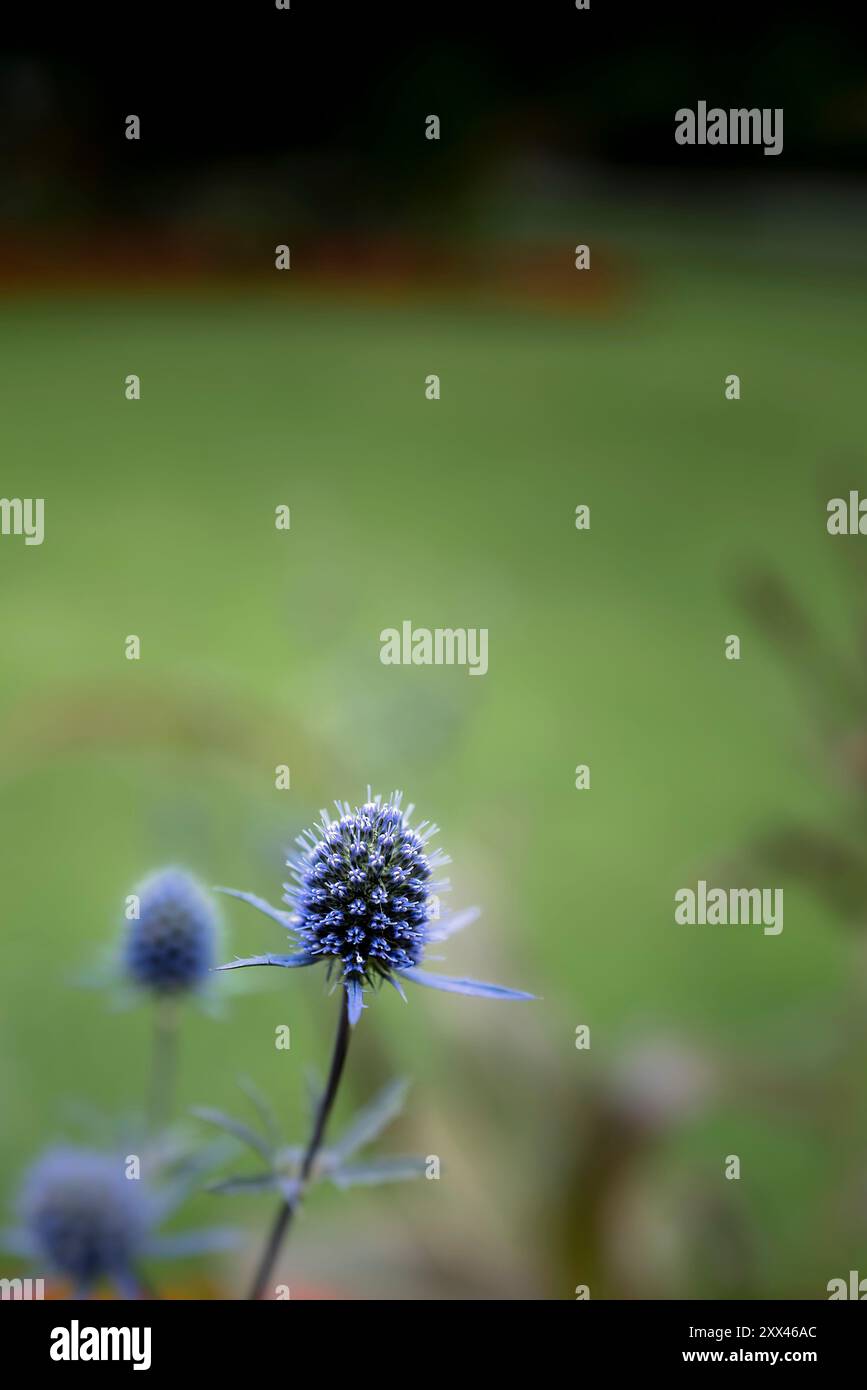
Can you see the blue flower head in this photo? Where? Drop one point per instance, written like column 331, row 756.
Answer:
column 170, row 947
column 361, row 898
column 82, row 1217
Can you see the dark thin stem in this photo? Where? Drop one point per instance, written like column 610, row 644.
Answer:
column 164, row 1064
column 323, row 1110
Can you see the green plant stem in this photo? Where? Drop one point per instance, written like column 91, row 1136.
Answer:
column 164, row 1064
column 288, row 1208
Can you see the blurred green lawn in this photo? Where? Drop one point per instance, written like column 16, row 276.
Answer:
column 261, row 647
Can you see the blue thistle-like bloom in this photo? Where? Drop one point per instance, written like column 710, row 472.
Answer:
column 81, row 1217
column 84, row 1218
column 361, row 900
column 170, row 948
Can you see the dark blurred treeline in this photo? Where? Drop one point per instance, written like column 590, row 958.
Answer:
column 329, row 101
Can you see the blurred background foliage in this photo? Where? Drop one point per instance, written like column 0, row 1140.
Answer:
column 259, row 647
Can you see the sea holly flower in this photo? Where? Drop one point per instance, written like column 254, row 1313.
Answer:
column 360, row 899
column 81, row 1217
column 168, row 953
column 165, row 954
column 334, row 1164
column 170, row 945
column 166, row 946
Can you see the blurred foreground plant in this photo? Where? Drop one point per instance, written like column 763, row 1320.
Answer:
column 90, row 1215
